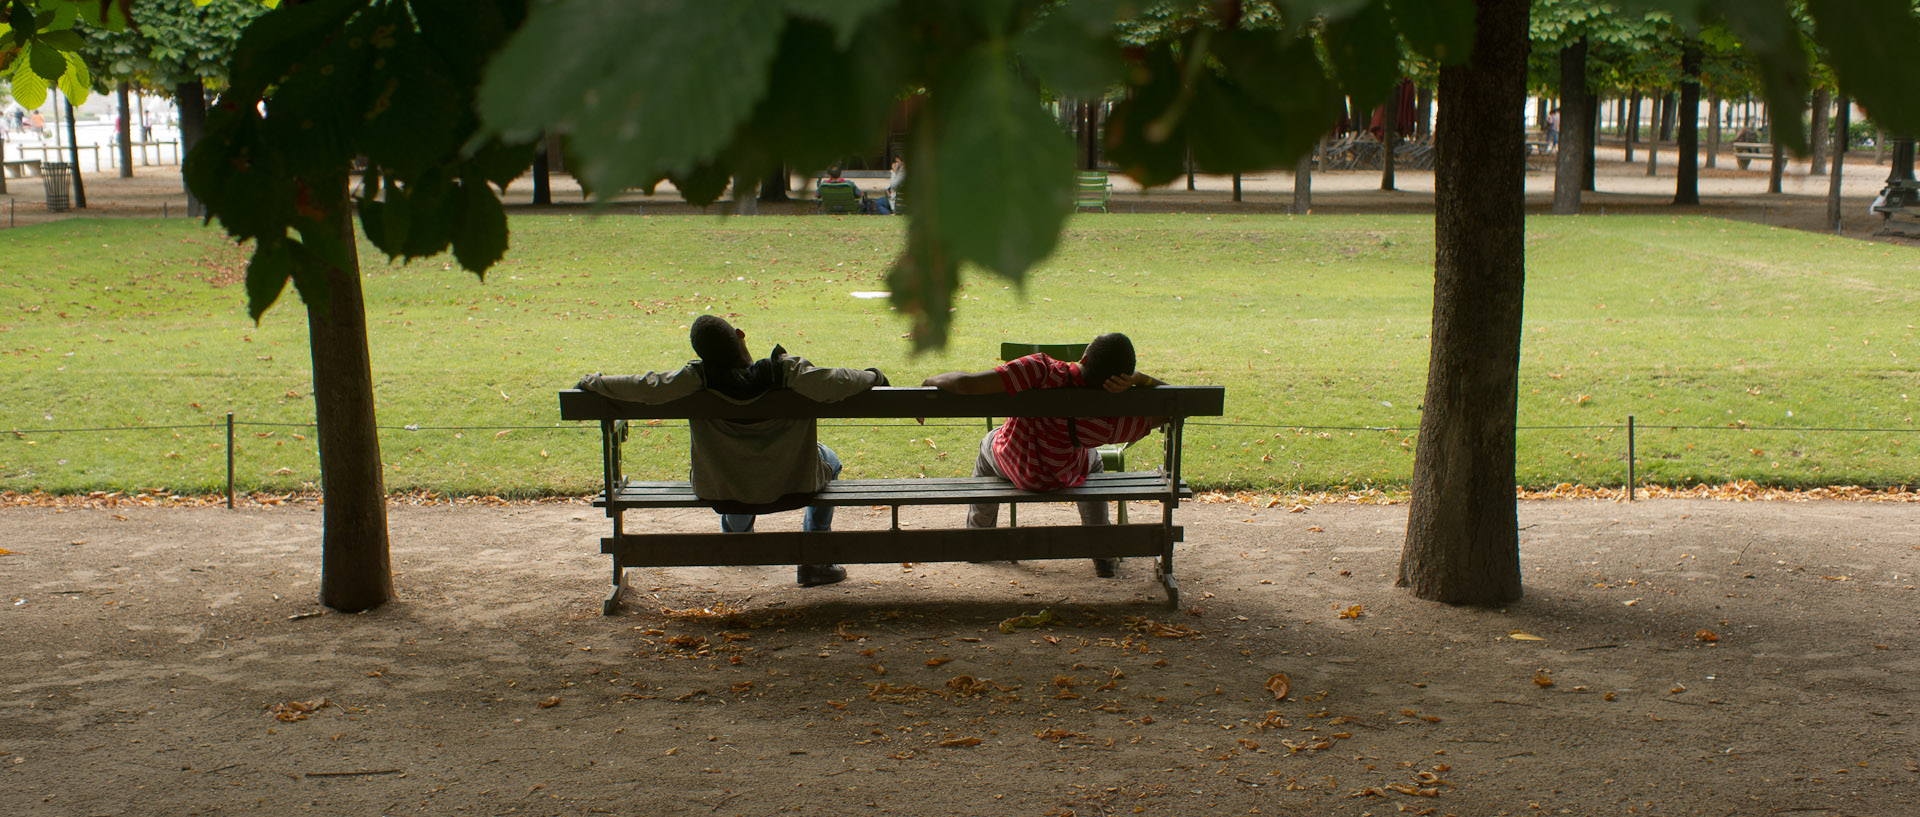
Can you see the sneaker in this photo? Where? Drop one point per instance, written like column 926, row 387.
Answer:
column 1106, row 568
column 817, row 575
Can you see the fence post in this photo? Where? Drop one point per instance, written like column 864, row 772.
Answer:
column 1630, row 474
column 229, row 460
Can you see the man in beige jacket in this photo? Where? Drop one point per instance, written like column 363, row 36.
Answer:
column 751, row 467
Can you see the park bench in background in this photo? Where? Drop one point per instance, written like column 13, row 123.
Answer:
column 17, row 169
column 1744, row 152
column 897, row 544
column 1094, row 191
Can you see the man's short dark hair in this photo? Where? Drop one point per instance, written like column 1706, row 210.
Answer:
column 1108, row 355
column 715, row 341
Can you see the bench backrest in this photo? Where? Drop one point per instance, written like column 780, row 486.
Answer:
column 840, row 197
column 1093, row 190
column 918, row 401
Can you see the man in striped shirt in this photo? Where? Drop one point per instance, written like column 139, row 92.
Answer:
column 1050, row 453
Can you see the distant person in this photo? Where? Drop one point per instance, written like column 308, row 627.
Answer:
column 1553, row 129
column 750, row 467
column 38, row 123
column 1051, row 453
column 867, row 206
column 895, row 178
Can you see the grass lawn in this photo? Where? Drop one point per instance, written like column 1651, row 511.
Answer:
column 1316, row 325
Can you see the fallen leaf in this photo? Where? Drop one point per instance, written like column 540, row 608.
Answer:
column 4, row 551
column 1041, row 618
column 1677, row 689
column 956, row 742
column 1606, row 696
column 1520, row 636
column 1707, row 636
column 1279, row 685
column 1316, row 529
column 1540, row 679
column 934, row 662
column 1354, row 611
column 550, row 702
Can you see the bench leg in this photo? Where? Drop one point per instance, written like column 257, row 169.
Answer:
column 1164, row 572
column 611, row 607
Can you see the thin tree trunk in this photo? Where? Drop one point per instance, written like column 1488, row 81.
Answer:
column 1593, row 142
column 1422, row 113
column 1388, row 137
column 192, row 99
column 542, row 175
column 1090, row 134
column 355, row 572
column 1633, row 123
column 73, row 147
column 1462, row 544
column 1666, row 116
column 1817, row 160
column 1189, row 169
column 1303, row 181
column 1713, row 129
column 1569, row 160
column 123, row 127
column 1840, row 123
column 1236, row 188
column 1687, row 179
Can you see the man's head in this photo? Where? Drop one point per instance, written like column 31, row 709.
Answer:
column 1108, row 355
column 718, row 343
column 833, row 172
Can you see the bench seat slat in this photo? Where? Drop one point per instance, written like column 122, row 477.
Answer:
column 884, row 546
column 1145, row 485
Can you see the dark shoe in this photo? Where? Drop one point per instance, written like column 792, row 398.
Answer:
column 817, row 575
column 1106, row 568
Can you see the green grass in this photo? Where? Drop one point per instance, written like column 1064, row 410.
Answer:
column 1316, row 325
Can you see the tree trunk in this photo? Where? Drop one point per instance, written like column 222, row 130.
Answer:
column 1090, row 134
column 1540, row 114
column 1389, row 137
column 1779, row 163
column 1713, row 128
column 1303, row 181
column 192, row 99
column 355, row 573
column 73, row 147
column 1631, row 133
column 1593, row 142
column 542, row 175
column 1189, row 169
column 1840, row 123
column 1236, row 188
column 1569, row 161
column 1817, row 130
column 1666, row 117
column 1463, row 543
column 1687, row 184
column 1422, row 113
column 123, row 129
column 774, row 187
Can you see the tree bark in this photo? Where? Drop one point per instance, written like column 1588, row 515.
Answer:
column 355, row 572
column 1713, row 129
column 774, row 187
column 1389, row 137
column 1666, row 117
column 1236, row 188
column 1840, row 123
column 1593, row 142
column 1817, row 129
column 542, row 175
column 1303, row 181
column 123, row 129
column 1569, row 159
column 1462, row 544
column 1090, row 134
column 73, row 147
column 191, row 97
column 1687, row 164
column 1422, row 113
column 1631, row 132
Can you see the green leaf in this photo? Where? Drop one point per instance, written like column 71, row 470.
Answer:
column 429, row 211
column 1441, row 30
column 480, row 231
column 1138, row 140
column 704, row 184
column 464, row 33
column 1009, row 168
column 843, row 17
column 77, row 82
column 1070, row 57
column 267, row 274
column 65, row 39
column 922, row 281
column 413, row 118
column 28, row 88
column 1864, row 40
column 500, row 163
column 642, row 89
column 1775, row 42
column 49, row 63
column 812, row 114
column 274, row 42
column 1365, row 55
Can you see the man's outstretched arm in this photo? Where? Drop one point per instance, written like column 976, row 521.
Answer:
column 987, row 382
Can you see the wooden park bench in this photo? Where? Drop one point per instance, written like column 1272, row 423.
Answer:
column 21, row 168
column 1744, row 152
column 897, row 544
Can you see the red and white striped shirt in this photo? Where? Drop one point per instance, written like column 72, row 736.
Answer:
column 1037, row 453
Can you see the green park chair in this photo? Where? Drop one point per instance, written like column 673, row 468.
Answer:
column 1093, row 192
column 841, row 197
column 1113, row 458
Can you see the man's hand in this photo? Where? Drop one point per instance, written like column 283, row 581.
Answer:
column 1121, row 382
column 586, row 379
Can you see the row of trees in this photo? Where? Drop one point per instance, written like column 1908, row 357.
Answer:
column 445, row 100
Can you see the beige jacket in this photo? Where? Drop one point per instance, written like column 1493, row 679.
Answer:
column 754, row 462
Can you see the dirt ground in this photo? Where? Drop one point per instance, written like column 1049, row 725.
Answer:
column 1677, row 657
column 1671, row 657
